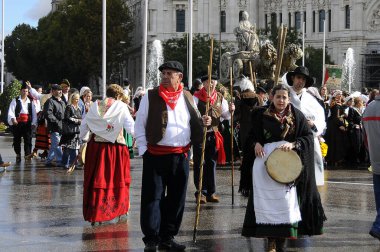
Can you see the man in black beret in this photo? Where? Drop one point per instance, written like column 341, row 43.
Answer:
column 214, row 151
column 167, row 123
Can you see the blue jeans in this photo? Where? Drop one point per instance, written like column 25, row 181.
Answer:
column 55, row 150
column 376, row 189
column 68, row 157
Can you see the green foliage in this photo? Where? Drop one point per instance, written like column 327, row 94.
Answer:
column 11, row 91
column 21, row 52
column 314, row 62
column 176, row 49
column 68, row 42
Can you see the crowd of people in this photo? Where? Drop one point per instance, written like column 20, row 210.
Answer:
column 173, row 128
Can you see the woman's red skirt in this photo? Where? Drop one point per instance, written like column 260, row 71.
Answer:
column 42, row 138
column 106, row 181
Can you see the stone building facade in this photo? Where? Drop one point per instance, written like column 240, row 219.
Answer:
column 349, row 24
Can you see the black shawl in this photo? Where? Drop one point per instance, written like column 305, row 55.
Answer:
column 312, row 212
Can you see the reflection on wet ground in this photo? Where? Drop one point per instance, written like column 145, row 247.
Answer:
column 41, row 210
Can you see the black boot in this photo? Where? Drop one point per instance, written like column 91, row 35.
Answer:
column 18, row 158
column 280, row 245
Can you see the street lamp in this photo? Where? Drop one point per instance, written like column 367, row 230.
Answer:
column 2, row 51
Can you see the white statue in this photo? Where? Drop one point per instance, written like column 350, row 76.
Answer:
column 246, row 35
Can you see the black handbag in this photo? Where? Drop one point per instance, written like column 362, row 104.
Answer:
column 69, row 128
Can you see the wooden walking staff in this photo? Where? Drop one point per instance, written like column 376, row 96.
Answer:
column 203, row 147
column 253, row 76
column 280, row 52
column 232, row 140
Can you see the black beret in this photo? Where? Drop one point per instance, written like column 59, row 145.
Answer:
column 24, row 86
column 56, row 87
column 174, row 65
column 205, row 77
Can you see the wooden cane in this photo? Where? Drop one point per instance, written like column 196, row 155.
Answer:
column 280, row 52
column 277, row 71
column 203, row 148
column 72, row 166
column 253, row 75
column 232, row 137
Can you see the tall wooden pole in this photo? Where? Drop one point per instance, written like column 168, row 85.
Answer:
column 232, row 140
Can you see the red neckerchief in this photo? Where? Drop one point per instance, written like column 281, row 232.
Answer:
column 169, row 97
column 203, row 96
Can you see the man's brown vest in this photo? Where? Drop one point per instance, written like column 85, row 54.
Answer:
column 158, row 118
column 215, row 111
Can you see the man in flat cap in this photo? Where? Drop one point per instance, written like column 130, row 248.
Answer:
column 167, row 123
column 214, row 151
column 54, row 109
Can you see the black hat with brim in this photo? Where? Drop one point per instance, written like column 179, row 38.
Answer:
column 300, row 71
column 174, row 65
column 205, row 77
column 260, row 90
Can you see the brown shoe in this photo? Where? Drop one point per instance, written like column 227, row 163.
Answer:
column 271, row 245
column 203, row 199
column 213, row 198
column 5, row 164
column 31, row 156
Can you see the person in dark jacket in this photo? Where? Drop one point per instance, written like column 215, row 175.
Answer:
column 54, row 109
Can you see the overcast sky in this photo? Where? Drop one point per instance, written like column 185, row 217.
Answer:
column 24, row 11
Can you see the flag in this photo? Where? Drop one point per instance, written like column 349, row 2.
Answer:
column 326, row 76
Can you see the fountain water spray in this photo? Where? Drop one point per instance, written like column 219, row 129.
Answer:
column 349, row 69
column 155, row 59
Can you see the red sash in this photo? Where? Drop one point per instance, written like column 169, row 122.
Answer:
column 164, row 150
column 219, row 145
column 23, row 118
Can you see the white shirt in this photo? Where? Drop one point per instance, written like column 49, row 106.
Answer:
column 177, row 132
column 24, row 110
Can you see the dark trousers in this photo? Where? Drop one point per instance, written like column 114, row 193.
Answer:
column 209, row 166
column 163, row 194
column 22, row 130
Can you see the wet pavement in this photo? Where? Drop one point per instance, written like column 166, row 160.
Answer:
column 41, row 210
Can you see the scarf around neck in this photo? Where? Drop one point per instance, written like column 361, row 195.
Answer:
column 170, row 97
column 203, row 96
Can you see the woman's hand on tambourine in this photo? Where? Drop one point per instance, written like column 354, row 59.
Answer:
column 259, row 150
column 206, row 120
column 286, row 146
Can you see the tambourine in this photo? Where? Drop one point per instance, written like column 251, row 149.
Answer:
column 284, row 166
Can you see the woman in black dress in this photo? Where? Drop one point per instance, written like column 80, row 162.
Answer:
column 336, row 137
column 297, row 209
